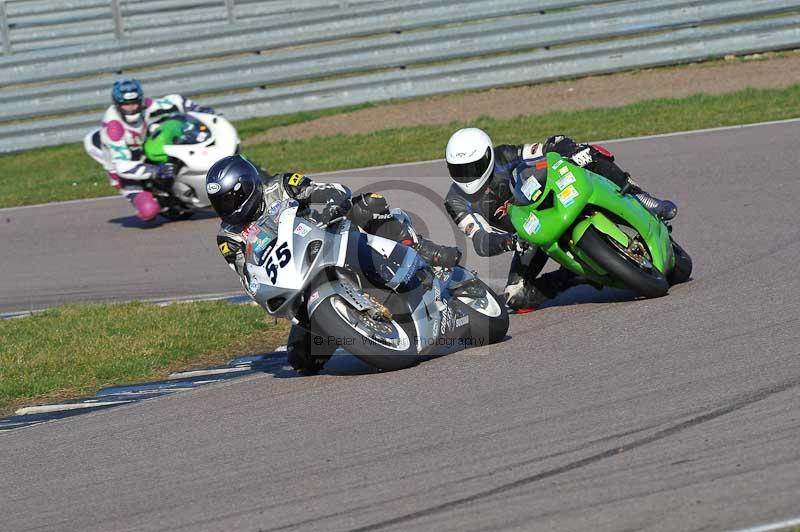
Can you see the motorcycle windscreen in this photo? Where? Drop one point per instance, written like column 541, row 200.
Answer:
column 529, row 179
column 262, row 234
column 193, row 131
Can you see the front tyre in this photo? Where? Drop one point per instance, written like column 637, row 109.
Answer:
column 645, row 281
column 488, row 315
column 385, row 344
column 682, row 270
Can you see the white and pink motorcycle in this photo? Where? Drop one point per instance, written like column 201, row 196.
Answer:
column 191, row 141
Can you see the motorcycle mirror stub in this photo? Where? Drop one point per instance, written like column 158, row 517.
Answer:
column 530, row 187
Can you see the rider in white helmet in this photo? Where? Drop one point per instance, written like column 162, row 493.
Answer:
column 477, row 203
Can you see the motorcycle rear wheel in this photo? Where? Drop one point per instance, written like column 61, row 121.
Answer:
column 387, row 345
column 649, row 284
column 175, row 215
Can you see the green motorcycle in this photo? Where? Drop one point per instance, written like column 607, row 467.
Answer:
column 588, row 224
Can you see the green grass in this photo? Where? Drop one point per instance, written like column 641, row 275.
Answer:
column 253, row 126
column 644, row 118
column 66, row 172
column 74, row 350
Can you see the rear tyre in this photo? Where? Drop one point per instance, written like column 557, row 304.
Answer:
column 174, row 214
column 648, row 283
column 385, row 344
column 683, row 266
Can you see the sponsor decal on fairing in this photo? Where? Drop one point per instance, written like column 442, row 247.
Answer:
column 567, row 196
column 302, row 229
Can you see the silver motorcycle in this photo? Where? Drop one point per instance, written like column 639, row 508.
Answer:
column 374, row 297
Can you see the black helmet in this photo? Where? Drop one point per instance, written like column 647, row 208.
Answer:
column 235, row 189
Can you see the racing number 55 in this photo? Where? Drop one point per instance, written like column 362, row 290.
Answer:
column 282, row 255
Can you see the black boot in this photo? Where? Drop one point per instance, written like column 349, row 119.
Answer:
column 307, row 352
column 664, row 209
column 551, row 284
column 522, row 295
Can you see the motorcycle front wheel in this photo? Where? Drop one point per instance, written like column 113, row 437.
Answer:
column 682, row 271
column 488, row 316
column 384, row 343
column 645, row 281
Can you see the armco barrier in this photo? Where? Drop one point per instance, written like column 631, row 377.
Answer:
column 368, row 51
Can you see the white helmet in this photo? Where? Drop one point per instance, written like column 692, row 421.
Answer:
column 470, row 158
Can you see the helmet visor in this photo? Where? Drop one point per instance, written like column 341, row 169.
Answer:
column 228, row 203
column 131, row 108
column 468, row 172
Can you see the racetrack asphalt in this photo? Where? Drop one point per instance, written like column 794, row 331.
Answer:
column 599, row 412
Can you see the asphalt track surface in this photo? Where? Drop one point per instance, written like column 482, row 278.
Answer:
column 599, row 412
column 99, row 250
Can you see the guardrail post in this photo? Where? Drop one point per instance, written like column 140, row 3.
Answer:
column 230, row 5
column 4, row 29
column 117, row 14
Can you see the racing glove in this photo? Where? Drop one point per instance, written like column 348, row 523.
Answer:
column 197, row 108
column 164, row 176
column 509, row 242
column 490, row 244
column 437, row 255
column 333, row 212
column 582, row 158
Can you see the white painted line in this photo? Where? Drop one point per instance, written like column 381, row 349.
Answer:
column 146, row 389
column 160, row 301
column 707, row 130
column 116, row 196
column 396, row 165
column 17, row 314
column 44, row 409
column 193, row 298
column 780, row 525
column 204, row 372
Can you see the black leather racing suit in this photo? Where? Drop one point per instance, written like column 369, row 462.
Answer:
column 482, row 216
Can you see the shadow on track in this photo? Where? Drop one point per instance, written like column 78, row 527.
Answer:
column 341, row 363
column 585, row 293
column 133, row 221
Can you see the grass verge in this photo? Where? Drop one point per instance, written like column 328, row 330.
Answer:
column 66, row 172
column 74, row 350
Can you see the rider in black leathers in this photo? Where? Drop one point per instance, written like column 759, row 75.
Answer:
column 482, row 186
column 240, row 195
